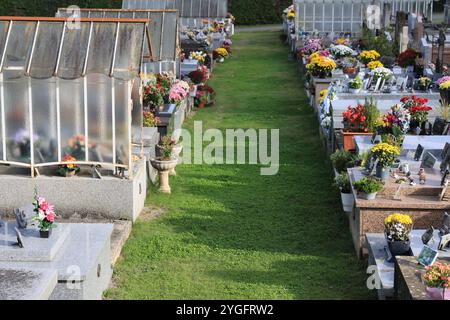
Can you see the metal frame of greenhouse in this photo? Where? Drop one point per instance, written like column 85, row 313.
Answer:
column 163, row 26
column 59, row 81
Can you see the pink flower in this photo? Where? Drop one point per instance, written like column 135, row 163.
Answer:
column 50, row 217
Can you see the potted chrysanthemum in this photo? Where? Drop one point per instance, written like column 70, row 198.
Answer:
column 397, row 229
column 385, row 154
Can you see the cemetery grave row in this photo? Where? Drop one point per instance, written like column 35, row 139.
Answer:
column 382, row 101
column 88, row 116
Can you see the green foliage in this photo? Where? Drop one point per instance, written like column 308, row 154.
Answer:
column 249, row 12
column 342, row 181
column 380, row 43
column 372, row 113
column 368, row 185
column 342, row 159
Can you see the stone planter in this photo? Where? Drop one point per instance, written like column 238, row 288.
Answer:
column 164, row 168
column 348, row 202
column 399, row 248
column 438, row 294
column 349, row 141
column 354, row 91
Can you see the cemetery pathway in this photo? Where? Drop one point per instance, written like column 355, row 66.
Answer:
column 229, row 233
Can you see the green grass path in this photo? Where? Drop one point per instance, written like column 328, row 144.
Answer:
column 229, row 233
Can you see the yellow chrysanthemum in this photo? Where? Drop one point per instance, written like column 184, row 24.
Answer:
column 374, row 64
column 399, row 218
column 341, row 41
column 323, row 94
column 445, row 85
column 367, row 56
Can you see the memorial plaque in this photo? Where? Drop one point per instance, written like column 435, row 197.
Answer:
column 427, row 256
column 428, row 161
column 445, row 151
column 419, row 152
column 440, row 127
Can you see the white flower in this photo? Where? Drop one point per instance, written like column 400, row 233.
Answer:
column 381, row 72
column 341, row 50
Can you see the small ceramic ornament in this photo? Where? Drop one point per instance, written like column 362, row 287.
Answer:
column 422, row 176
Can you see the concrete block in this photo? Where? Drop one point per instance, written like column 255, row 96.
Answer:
column 27, row 284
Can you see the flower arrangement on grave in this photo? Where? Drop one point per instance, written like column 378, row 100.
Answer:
column 220, row 53
column 424, row 83
column 367, row 56
column 342, row 182
column 68, row 168
column 166, row 147
column 437, row 280
column 321, row 67
column 206, row 95
column 200, row 56
column 355, row 83
column 150, row 120
column 179, row 91
column 369, row 186
column 341, row 51
column 386, row 154
column 342, row 41
column 342, row 160
column 311, row 46
column 322, row 95
column 374, row 64
column 444, row 88
column 291, row 15
column 407, row 58
column 355, row 119
column 44, row 215
column 317, row 55
column 199, row 76
column 396, row 120
column 153, row 93
column 227, row 42
column 418, row 109
column 381, row 72
column 397, row 229
column 76, row 146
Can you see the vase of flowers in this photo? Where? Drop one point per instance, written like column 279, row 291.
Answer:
column 397, row 229
column 374, row 64
column 348, row 65
column 341, row 51
column 311, row 46
column 150, row 128
column 437, row 281
column 68, row 168
column 418, row 110
column 355, row 85
column 407, row 58
column 178, row 91
column 386, row 155
column 355, row 124
column 381, row 72
column 368, row 188
column 424, row 83
column 444, row 88
column 321, row 67
column 44, row 215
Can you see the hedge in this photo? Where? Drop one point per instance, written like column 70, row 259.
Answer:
column 250, row 12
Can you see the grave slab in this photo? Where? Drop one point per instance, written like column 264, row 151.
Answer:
column 35, row 249
column 27, row 284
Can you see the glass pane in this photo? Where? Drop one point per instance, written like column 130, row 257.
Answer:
column 3, row 32
column 111, row 14
column 196, row 9
column 122, row 117
column 347, row 11
column 136, row 113
column 85, row 14
column 141, row 15
column 328, row 11
column 45, row 53
column 17, row 120
column 72, row 119
column 100, row 117
column 19, row 45
column 155, row 28
column 102, row 48
column 96, row 14
column 126, row 14
column 73, row 55
column 213, row 9
column 223, row 8
column 170, row 37
column 44, row 120
column 338, row 12
column 129, row 49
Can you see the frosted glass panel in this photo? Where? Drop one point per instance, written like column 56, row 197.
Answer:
column 46, row 50
column 17, row 121
column 136, row 114
column 102, row 48
column 126, row 14
column 19, row 45
column 100, row 117
column 44, row 120
column 129, row 49
column 73, row 55
column 72, row 119
column 96, row 14
column 3, row 32
column 111, row 14
column 122, row 115
column 155, row 27
column 170, row 37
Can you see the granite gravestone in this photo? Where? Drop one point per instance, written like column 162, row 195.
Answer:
column 419, row 152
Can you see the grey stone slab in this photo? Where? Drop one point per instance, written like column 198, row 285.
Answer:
column 83, row 265
column 27, row 284
column 35, row 249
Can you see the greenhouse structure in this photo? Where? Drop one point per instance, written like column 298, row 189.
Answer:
column 164, row 33
column 193, row 13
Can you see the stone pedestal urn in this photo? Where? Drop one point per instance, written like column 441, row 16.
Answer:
column 176, row 152
column 164, row 167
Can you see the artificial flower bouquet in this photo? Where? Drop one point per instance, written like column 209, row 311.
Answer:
column 68, row 168
column 321, row 67
column 156, row 89
column 385, row 153
column 341, row 51
column 355, row 119
column 76, row 146
column 367, row 56
column 417, row 108
column 150, row 120
column 44, row 215
column 381, row 72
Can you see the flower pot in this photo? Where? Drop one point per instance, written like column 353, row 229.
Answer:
column 347, row 202
column 70, row 174
column 201, row 105
column 399, row 248
column 438, row 294
column 348, row 139
column 349, row 70
column 368, row 196
column 382, row 173
column 45, row 234
column 354, row 91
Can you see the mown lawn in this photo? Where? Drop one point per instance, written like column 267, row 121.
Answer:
column 230, row 233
